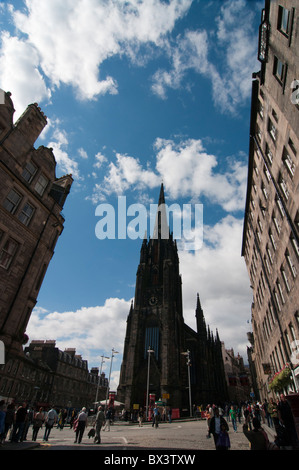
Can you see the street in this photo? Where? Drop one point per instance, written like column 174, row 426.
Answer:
column 179, row 435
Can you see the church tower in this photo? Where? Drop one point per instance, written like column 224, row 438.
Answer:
column 155, row 321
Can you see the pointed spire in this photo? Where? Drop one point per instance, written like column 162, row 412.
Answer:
column 200, row 319
column 161, row 196
column 161, row 230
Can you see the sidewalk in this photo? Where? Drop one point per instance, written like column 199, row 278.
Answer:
column 26, row 445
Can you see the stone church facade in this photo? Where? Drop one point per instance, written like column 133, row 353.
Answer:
column 155, row 322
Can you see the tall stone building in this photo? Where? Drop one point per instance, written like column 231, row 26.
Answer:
column 155, row 323
column 271, row 236
column 31, row 221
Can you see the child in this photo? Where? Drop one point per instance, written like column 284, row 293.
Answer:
column 223, row 442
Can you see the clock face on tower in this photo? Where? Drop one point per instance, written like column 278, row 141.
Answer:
column 153, row 300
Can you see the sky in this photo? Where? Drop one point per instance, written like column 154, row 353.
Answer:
column 138, row 93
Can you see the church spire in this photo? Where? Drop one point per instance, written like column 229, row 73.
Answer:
column 200, row 319
column 161, row 230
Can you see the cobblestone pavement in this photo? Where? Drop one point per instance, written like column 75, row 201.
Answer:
column 179, row 435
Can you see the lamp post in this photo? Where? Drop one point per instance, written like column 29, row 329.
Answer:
column 187, row 354
column 149, row 351
column 102, row 362
column 112, row 356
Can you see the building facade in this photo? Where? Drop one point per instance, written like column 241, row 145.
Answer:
column 162, row 355
column 271, row 226
column 31, row 221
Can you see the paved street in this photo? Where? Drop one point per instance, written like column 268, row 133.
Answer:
column 179, row 435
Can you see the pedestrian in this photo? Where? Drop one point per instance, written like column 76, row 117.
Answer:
column 51, row 419
column 273, row 415
column 257, row 437
column 140, row 417
column 81, row 425
column 73, row 417
column 286, row 420
column 100, row 419
column 233, row 417
column 38, row 420
column 108, row 420
column 9, row 418
column 156, row 417
column 223, row 442
column 19, row 424
column 218, row 425
column 2, row 421
column 169, row 415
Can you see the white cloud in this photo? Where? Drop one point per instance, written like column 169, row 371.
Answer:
column 186, row 169
column 68, row 42
column 126, row 173
column 59, row 144
column 226, row 58
column 20, row 73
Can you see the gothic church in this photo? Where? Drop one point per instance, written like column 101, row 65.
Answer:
column 156, row 322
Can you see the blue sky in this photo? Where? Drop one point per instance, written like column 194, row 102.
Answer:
column 137, row 93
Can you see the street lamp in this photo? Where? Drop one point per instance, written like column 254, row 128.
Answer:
column 102, row 362
column 112, row 356
column 149, row 351
column 187, row 354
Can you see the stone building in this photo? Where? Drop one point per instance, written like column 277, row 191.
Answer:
column 31, row 221
column 155, row 323
column 237, row 375
column 270, row 238
column 68, row 383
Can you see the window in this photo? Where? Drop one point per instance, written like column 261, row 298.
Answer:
column 12, row 201
column 7, row 253
column 279, row 69
column 269, row 154
column 26, row 214
column 29, row 172
column 283, row 24
column 288, row 162
column 276, row 223
column 41, row 185
column 284, row 276
column 283, row 187
column 272, row 130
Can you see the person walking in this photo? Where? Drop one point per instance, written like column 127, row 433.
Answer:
column 156, row 417
column 273, row 415
column 2, row 421
column 19, row 425
column 286, row 420
column 9, row 418
column 257, row 437
column 81, row 425
column 108, row 420
column 50, row 421
column 140, row 417
column 233, row 417
column 100, row 420
column 218, row 427
column 38, row 420
column 169, row 415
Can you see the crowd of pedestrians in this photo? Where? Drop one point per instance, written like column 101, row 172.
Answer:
column 276, row 414
column 15, row 422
